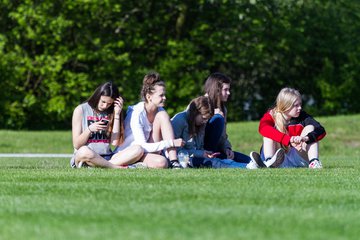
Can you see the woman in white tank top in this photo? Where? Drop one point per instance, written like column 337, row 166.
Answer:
column 148, row 124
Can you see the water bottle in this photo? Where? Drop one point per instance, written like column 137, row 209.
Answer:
column 183, row 158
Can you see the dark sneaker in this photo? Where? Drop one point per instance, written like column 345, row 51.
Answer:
column 277, row 159
column 255, row 157
column 175, row 164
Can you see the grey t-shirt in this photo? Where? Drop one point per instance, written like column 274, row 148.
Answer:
column 98, row 141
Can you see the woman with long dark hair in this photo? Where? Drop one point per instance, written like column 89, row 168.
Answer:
column 190, row 126
column 217, row 89
column 97, row 124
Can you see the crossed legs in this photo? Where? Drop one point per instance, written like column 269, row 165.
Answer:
column 118, row 160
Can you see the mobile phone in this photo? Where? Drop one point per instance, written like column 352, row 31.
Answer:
column 104, row 121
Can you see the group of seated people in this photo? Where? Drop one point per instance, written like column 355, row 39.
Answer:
column 148, row 138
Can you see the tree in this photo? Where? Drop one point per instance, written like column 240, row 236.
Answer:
column 54, row 53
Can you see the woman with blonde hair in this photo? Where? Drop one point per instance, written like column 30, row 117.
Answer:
column 290, row 135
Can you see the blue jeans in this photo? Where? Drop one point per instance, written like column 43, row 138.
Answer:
column 213, row 132
column 216, row 163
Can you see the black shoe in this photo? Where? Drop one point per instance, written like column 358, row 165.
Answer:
column 257, row 159
column 175, row 164
column 277, row 159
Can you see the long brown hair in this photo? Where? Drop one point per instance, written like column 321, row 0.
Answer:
column 213, row 87
column 108, row 89
column 200, row 105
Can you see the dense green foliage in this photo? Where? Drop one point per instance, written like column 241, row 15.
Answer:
column 45, row 199
column 54, row 53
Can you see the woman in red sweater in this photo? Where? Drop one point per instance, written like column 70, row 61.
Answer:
column 290, row 135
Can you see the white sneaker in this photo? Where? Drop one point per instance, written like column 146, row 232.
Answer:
column 277, row 159
column 83, row 165
column 137, row 165
column 315, row 163
column 257, row 159
column 252, row 165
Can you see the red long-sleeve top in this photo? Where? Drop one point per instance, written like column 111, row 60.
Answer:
column 294, row 128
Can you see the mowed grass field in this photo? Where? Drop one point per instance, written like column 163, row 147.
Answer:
column 43, row 198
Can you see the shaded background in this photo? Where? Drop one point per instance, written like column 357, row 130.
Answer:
column 54, row 53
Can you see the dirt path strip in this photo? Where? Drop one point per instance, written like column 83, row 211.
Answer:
column 35, row 155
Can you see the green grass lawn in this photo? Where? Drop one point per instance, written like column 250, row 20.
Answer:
column 45, row 199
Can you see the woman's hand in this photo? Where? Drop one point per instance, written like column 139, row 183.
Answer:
column 210, row 154
column 296, row 142
column 299, row 139
column 207, row 154
column 218, row 111
column 297, row 146
column 299, row 142
column 97, row 126
column 118, row 106
column 179, row 142
column 296, row 139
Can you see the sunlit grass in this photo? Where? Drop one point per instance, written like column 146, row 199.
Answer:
column 45, row 199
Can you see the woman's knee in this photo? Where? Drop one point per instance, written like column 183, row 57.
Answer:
column 84, row 153
column 216, row 120
column 162, row 128
column 161, row 162
column 156, row 161
column 162, row 116
column 307, row 129
column 138, row 151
